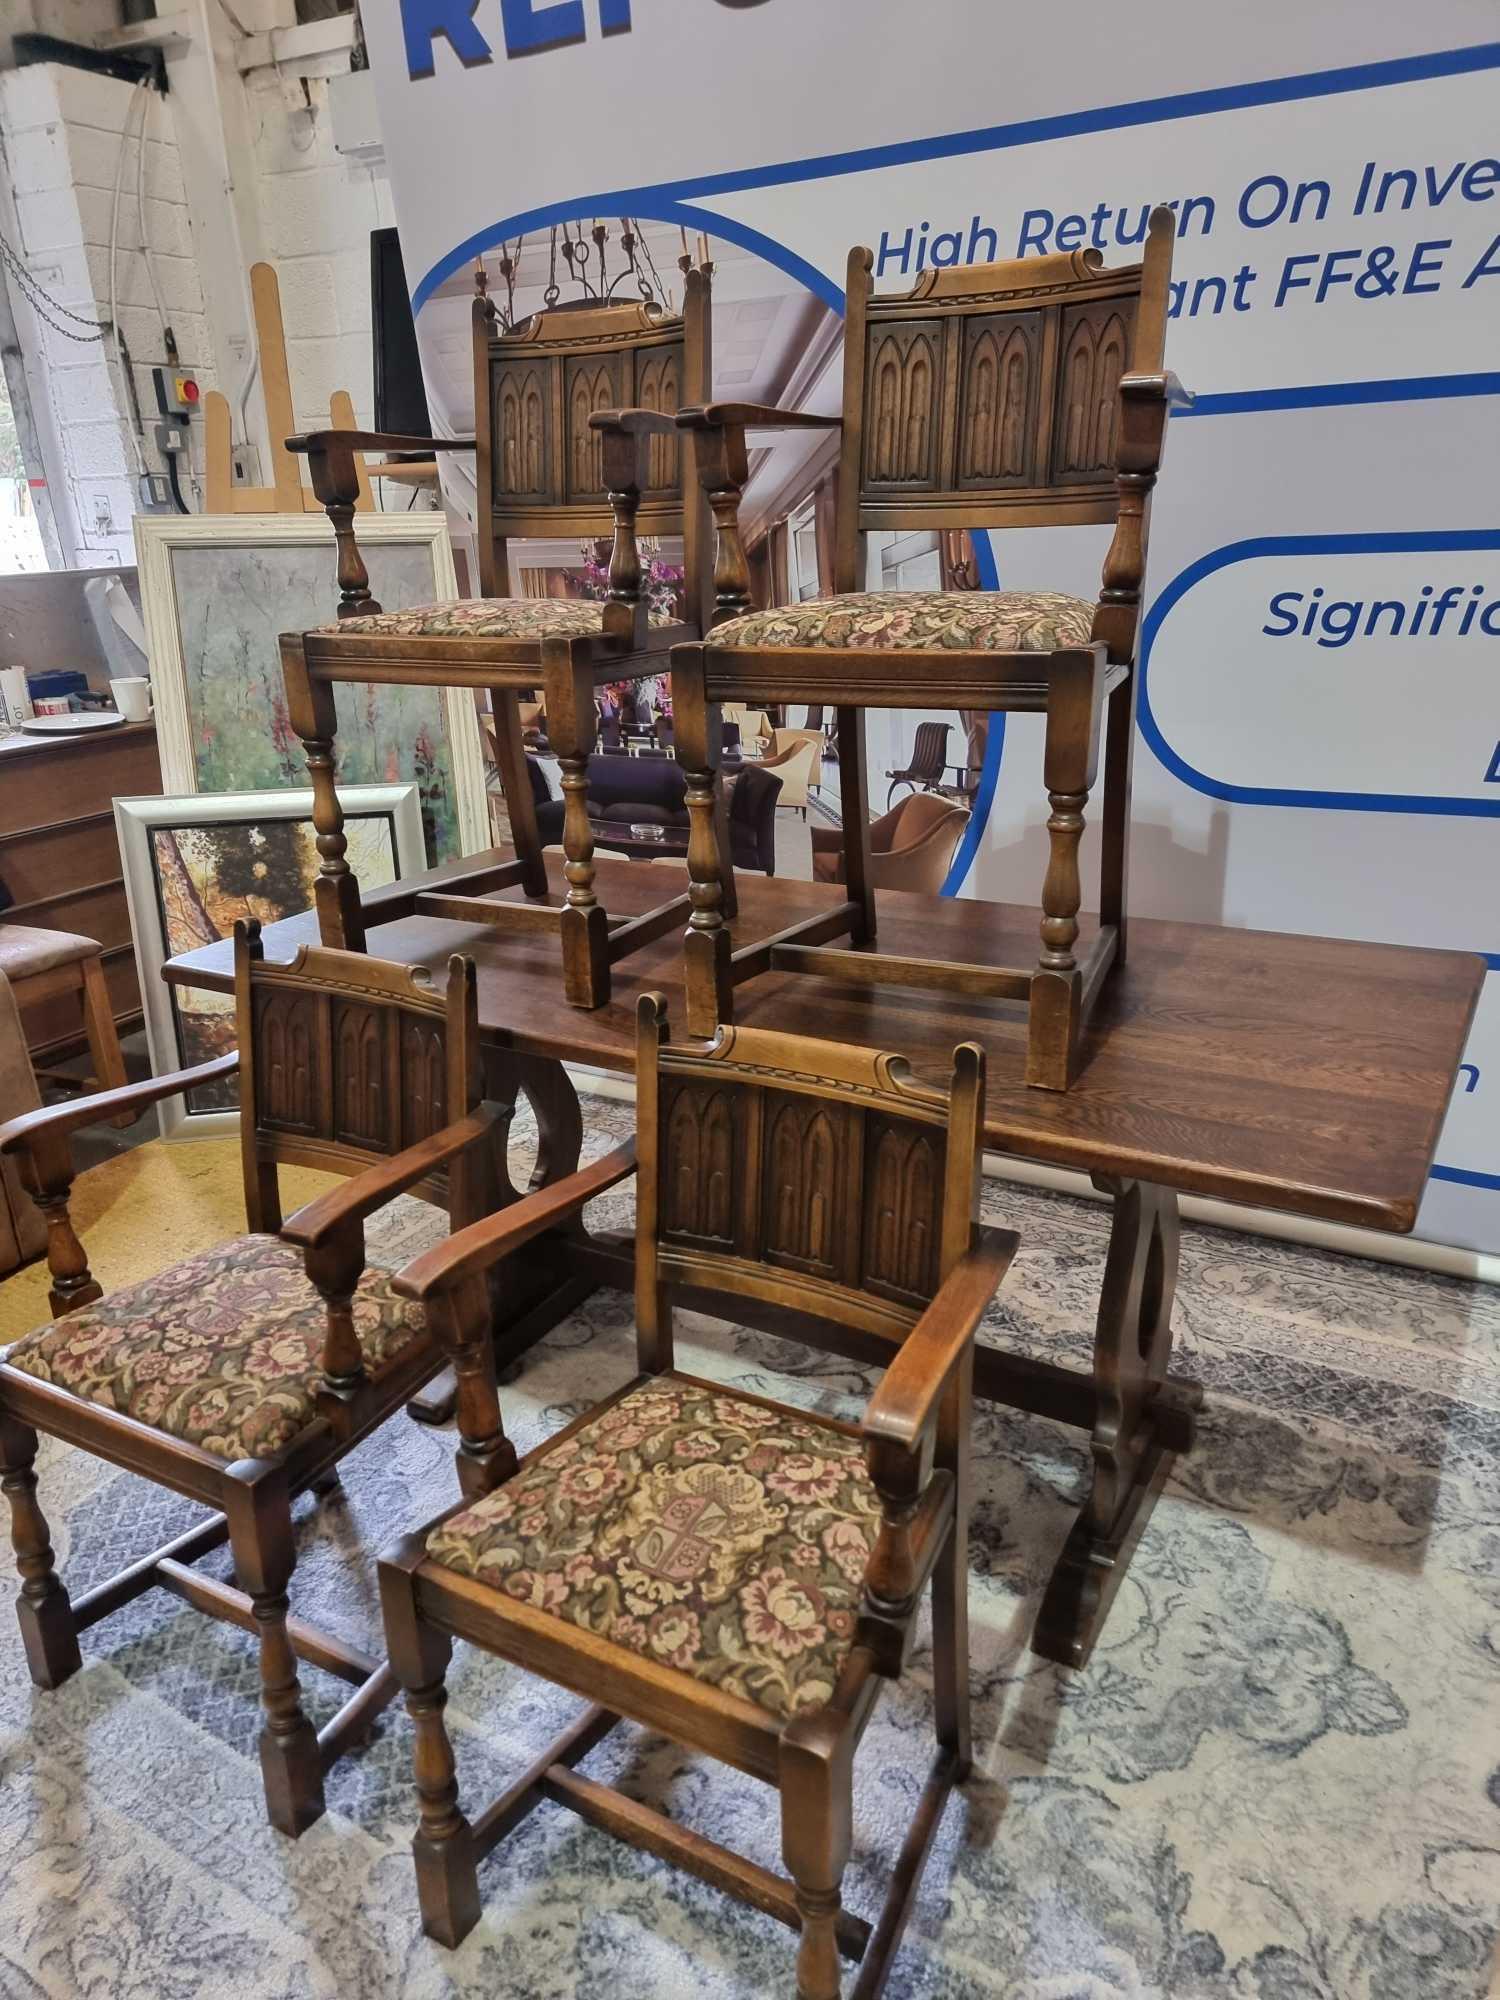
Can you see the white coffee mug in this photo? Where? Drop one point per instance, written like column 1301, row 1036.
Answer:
column 15, row 698
column 132, row 693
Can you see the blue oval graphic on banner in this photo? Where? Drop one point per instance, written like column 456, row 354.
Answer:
column 1327, row 619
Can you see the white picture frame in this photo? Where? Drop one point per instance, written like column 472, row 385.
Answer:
column 140, row 823
column 234, row 582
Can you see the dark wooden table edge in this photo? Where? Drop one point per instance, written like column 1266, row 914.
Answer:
column 1394, row 1217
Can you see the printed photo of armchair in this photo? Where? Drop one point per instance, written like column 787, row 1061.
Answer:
column 798, row 764
column 911, row 847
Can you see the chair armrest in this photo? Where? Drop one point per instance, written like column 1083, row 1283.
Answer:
column 472, row 1251
column 722, row 460
column 56, row 1121
column 359, row 1196
column 638, row 422
column 752, row 417
column 1163, row 387
column 908, row 1393
column 313, row 441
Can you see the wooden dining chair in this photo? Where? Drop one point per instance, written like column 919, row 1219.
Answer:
column 1020, row 394
column 926, row 767
column 44, row 965
column 574, row 435
column 242, row 1375
column 735, row 1573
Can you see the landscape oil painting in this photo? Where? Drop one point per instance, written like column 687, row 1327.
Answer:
column 220, row 590
column 196, row 866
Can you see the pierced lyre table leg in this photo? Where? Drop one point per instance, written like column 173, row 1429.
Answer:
column 1140, row 1419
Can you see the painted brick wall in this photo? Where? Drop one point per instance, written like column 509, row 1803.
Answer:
column 62, row 138
column 318, row 210
column 61, row 132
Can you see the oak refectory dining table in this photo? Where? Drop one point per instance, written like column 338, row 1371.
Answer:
column 1304, row 1074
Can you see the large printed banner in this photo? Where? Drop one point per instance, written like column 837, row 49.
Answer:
column 1320, row 701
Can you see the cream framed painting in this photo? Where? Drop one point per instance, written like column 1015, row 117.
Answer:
column 217, row 590
column 196, row 863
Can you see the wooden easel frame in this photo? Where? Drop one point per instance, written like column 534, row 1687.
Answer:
column 286, row 494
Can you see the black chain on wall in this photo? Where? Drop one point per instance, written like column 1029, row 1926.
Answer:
column 44, row 305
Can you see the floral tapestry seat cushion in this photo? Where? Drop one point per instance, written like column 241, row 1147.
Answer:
column 224, row 1350
column 920, row 621
column 483, row 618
column 700, row 1529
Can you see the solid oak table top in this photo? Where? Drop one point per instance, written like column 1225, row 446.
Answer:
column 1298, row 1073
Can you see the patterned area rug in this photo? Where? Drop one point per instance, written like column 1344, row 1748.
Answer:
column 1279, row 1778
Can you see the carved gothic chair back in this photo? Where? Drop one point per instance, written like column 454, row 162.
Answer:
column 347, row 1059
column 542, row 467
column 241, row 1375
column 574, row 438
column 1021, row 394
column 735, row 1573
column 843, row 1194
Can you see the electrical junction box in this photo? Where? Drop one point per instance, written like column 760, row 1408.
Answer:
column 177, row 391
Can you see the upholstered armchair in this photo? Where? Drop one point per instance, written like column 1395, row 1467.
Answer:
column 736, row 1574
column 797, row 764
column 911, row 847
column 574, row 435
column 1020, row 394
column 241, row 1375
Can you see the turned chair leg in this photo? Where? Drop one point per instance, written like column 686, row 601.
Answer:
column 310, row 706
column 1114, row 864
column 1070, row 762
column 817, row 1812
column 515, row 783
column 260, row 1536
column 45, row 1615
column 584, row 923
column 708, row 945
column 443, row 1845
column 854, row 803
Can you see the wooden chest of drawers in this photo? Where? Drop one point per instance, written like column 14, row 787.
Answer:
column 61, row 862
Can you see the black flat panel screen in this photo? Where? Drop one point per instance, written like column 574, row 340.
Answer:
column 400, row 399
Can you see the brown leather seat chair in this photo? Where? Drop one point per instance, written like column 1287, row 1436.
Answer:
column 911, row 847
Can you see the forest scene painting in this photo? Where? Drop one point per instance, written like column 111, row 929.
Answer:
column 207, row 877
column 233, row 602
